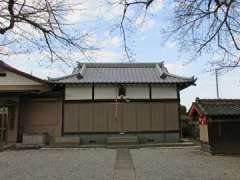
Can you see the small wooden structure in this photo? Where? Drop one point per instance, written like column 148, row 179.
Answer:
column 219, row 124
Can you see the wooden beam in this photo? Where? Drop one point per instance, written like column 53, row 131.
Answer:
column 14, row 88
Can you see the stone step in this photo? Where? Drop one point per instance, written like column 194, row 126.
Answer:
column 123, row 139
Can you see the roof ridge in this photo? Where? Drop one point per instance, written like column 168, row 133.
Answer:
column 119, row 64
column 184, row 77
column 201, row 107
column 162, row 72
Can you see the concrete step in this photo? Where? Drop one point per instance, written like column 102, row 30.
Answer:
column 122, row 139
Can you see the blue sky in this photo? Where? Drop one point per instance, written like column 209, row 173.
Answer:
column 147, row 43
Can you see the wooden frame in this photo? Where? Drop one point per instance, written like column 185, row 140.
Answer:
column 121, row 100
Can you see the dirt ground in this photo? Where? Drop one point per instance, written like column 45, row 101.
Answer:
column 97, row 163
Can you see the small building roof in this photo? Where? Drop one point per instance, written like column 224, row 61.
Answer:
column 135, row 73
column 217, row 109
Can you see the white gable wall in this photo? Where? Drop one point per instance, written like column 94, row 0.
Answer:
column 15, row 79
column 137, row 92
column 164, row 92
column 110, row 92
column 77, row 93
column 105, row 92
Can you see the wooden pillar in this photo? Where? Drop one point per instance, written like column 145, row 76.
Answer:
column 1, row 130
column 179, row 113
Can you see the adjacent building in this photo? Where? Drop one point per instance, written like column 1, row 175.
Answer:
column 219, row 123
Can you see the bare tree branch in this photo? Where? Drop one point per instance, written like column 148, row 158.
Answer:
column 204, row 26
column 40, row 25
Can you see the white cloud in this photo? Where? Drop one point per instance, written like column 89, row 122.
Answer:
column 101, row 9
column 106, row 56
column 109, row 41
column 177, row 68
column 144, row 23
column 115, row 41
column 34, row 64
column 101, row 55
column 93, row 9
column 156, row 6
column 171, row 44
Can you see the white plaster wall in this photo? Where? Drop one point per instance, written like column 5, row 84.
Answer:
column 77, row 92
column 137, row 92
column 105, row 92
column 15, row 79
column 110, row 92
column 161, row 92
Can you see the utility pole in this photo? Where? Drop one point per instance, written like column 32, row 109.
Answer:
column 216, row 75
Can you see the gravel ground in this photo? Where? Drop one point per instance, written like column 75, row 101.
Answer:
column 98, row 164
column 183, row 164
column 81, row 164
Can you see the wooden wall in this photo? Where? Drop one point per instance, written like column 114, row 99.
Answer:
column 204, row 133
column 41, row 116
column 80, row 117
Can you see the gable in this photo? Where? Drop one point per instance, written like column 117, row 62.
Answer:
column 10, row 78
column 13, row 80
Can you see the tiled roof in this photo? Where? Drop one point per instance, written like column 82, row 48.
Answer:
column 219, row 108
column 123, row 73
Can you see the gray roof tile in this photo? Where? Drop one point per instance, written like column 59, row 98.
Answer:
column 219, row 107
column 122, row 73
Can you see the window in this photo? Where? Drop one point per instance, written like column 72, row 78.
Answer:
column 121, row 91
column 3, row 74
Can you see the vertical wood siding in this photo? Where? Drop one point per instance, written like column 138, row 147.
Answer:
column 115, row 123
column 129, row 117
column 101, row 117
column 43, row 116
column 144, row 115
column 158, row 116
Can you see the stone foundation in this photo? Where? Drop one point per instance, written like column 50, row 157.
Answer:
column 67, row 140
column 142, row 137
column 34, row 139
column 205, row 147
